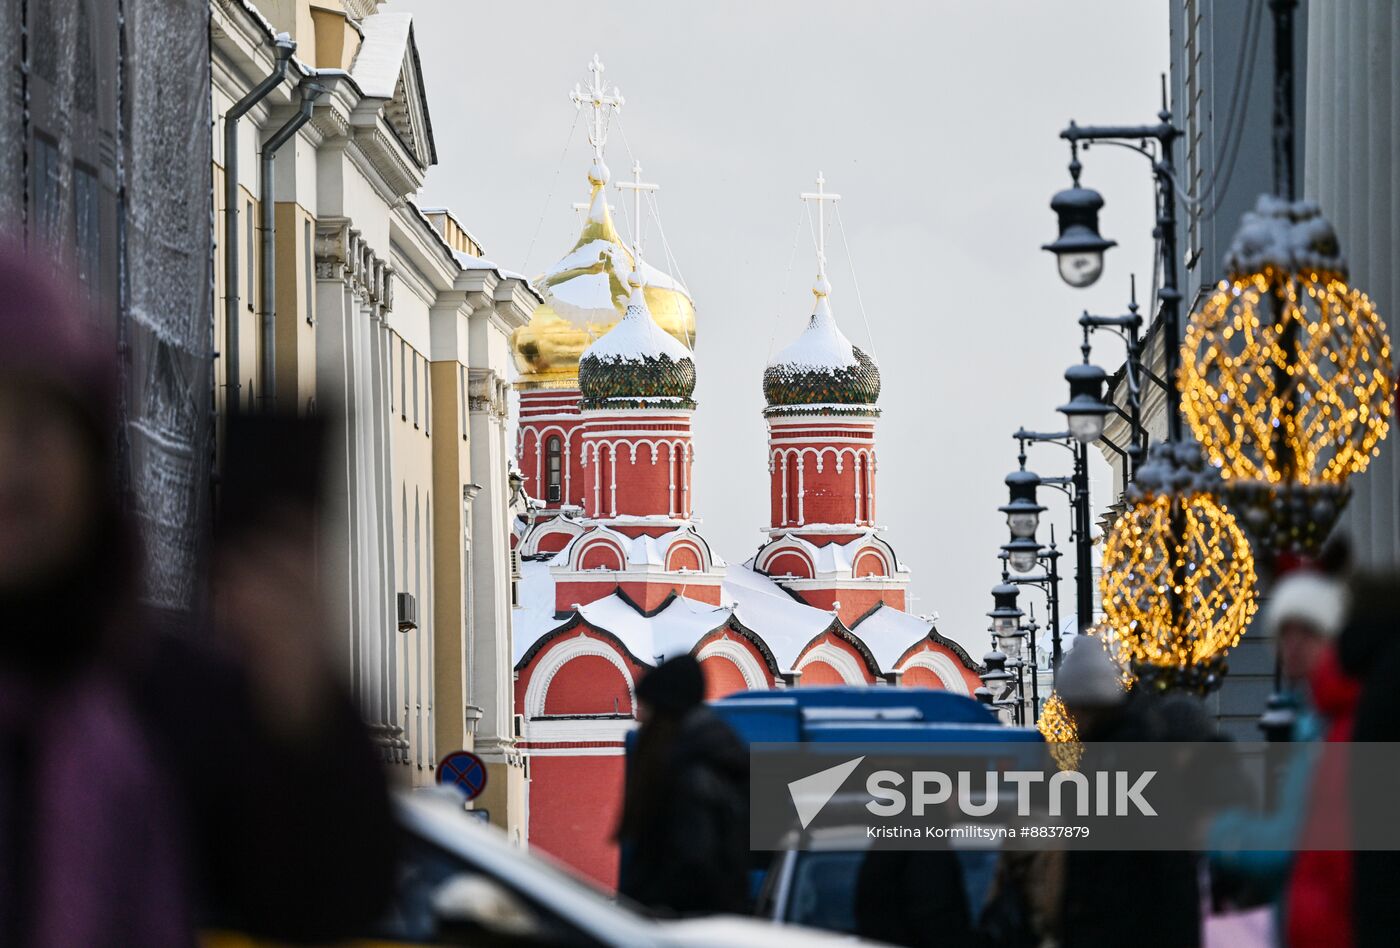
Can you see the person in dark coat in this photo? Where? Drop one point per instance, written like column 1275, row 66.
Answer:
column 152, row 782
column 1104, row 901
column 685, row 816
column 1369, row 649
column 912, row 897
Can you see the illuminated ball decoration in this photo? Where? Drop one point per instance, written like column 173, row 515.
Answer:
column 1286, row 376
column 1056, row 724
column 1178, row 579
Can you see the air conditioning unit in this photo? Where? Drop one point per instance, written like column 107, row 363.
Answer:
column 408, row 612
column 554, row 494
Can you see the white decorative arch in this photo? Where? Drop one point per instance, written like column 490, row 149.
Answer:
column 844, row 662
column 559, row 655
column 941, row 665
column 754, row 678
column 774, row 550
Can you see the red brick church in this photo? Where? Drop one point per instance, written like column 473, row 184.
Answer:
column 615, row 576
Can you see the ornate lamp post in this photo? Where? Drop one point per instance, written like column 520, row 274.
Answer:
column 1177, row 573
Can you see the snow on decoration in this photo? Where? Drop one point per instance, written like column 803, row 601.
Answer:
column 1288, row 236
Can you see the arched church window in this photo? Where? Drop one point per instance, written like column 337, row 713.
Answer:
column 554, row 460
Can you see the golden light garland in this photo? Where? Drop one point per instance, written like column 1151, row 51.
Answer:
column 1178, row 587
column 1057, row 726
column 1298, row 397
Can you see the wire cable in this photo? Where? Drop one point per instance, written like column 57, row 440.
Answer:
column 550, row 196
column 855, row 281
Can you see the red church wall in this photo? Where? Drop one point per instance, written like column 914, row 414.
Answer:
column 854, row 602
column 601, row 554
column 545, row 413
column 926, row 678
column 682, row 557
column 575, row 803
column 567, row 594
column 870, row 564
column 722, row 677
column 790, row 564
column 820, row 673
column 921, row 678
column 588, row 684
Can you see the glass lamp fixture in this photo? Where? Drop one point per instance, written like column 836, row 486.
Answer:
column 1079, row 249
column 1021, row 509
column 1006, row 617
column 1086, row 411
column 1022, row 554
column 1011, row 643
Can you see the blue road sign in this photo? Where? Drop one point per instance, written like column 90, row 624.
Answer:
column 464, row 771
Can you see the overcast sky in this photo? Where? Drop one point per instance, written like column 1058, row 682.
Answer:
column 937, row 123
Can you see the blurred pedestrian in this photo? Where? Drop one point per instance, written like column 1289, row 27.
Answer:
column 150, row 782
column 1100, row 887
column 1369, row 650
column 1254, row 854
column 912, row 897
column 684, row 831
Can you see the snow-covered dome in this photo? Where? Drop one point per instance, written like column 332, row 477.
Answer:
column 586, row 294
column 821, row 367
column 637, row 362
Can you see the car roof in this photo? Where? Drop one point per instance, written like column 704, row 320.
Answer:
column 435, row 816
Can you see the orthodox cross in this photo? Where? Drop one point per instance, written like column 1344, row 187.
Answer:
column 597, row 98
column 637, row 186
column 821, row 196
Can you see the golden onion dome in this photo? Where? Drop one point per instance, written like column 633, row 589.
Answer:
column 586, row 294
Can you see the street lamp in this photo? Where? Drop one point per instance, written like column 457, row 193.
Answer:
column 1021, row 554
column 1086, row 410
column 1079, row 248
column 1021, row 509
column 1006, row 617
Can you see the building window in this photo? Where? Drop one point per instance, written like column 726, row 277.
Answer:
column 86, row 205
column 46, row 190
column 427, row 398
column 403, row 375
column 309, row 252
column 554, row 457
column 415, row 389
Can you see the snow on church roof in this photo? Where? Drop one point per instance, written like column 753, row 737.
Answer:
column 822, row 344
column 888, row 633
column 785, row 625
column 636, row 336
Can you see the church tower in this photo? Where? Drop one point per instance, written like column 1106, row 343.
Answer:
column 586, row 294
column 821, row 391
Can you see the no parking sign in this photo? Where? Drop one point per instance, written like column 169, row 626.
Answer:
column 465, row 771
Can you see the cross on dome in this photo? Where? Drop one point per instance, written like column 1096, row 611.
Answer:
column 820, row 197
column 603, row 103
column 636, row 186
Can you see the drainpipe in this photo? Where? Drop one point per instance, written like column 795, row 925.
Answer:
column 282, row 47
column 311, row 90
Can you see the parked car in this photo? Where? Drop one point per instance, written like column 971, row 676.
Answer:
column 461, row 882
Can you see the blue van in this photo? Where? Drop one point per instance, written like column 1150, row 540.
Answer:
column 815, row 886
